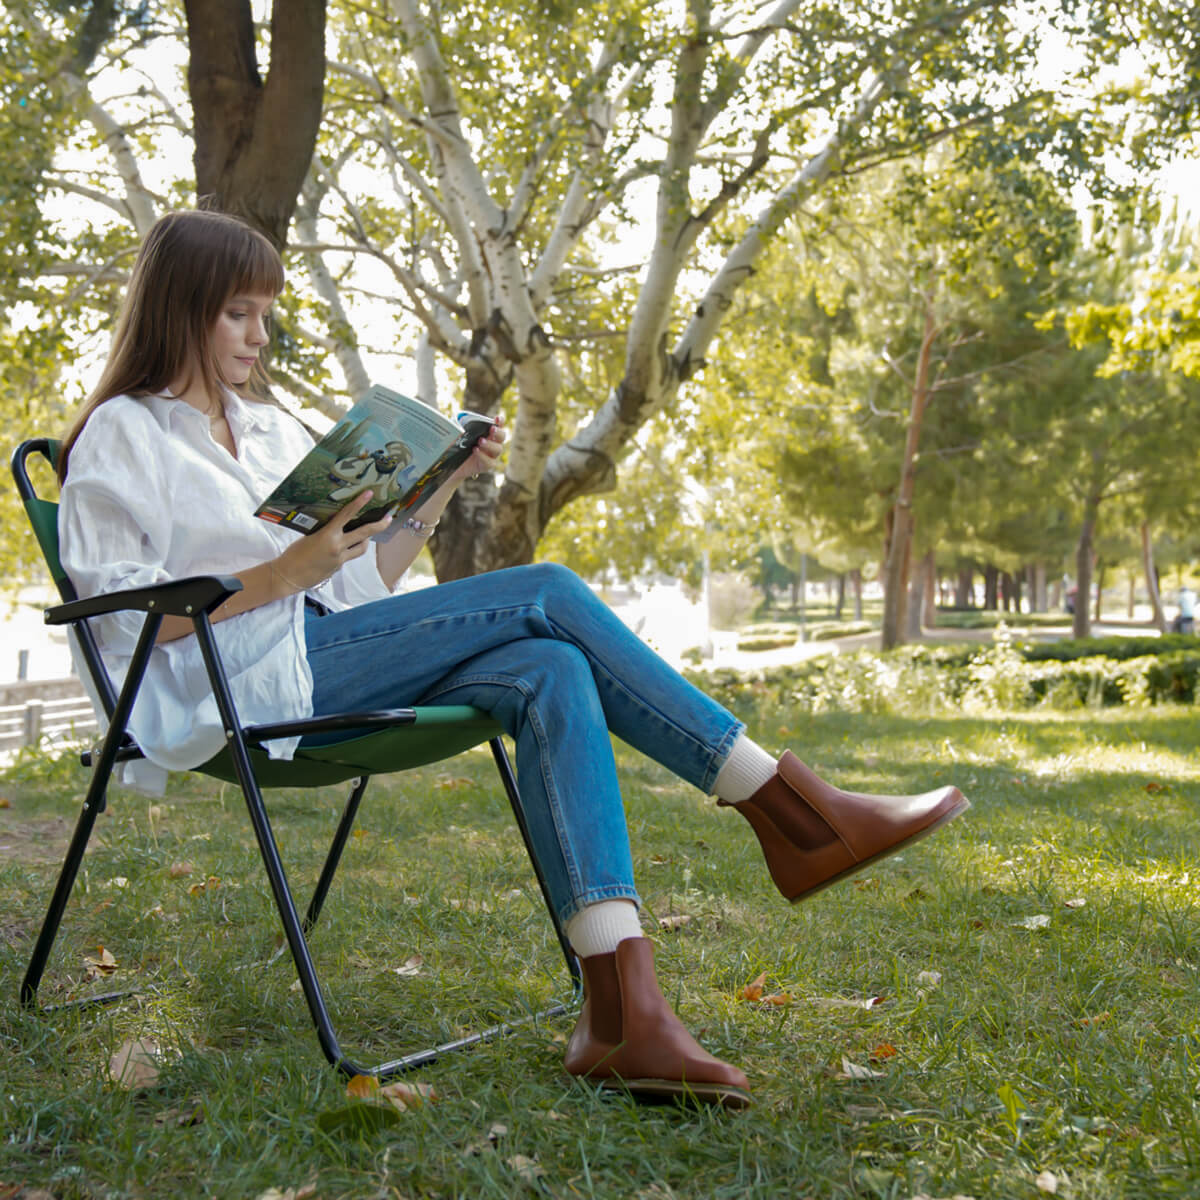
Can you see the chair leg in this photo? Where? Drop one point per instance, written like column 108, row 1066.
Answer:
column 58, row 903
column 334, row 856
column 509, row 779
column 93, row 805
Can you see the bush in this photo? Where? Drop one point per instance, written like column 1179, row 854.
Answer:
column 1110, row 647
column 932, row 678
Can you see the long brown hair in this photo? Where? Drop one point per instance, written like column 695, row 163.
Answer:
column 188, row 267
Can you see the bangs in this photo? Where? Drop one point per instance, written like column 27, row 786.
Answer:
column 257, row 269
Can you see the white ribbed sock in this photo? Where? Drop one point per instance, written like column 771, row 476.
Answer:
column 746, row 769
column 600, row 927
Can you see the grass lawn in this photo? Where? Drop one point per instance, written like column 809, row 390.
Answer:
column 1035, row 966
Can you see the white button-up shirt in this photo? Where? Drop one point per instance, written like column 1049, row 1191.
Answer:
column 151, row 497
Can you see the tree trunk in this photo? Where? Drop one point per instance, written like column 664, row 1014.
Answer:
column 914, row 605
column 1100, row 567
column 930, row 597
column 991, row 588
column 1151, row 572
column 841, row 596
column 964, row 591
column 1081, row 625
column 478, row 531
column 856, row 584
column 1040, row 602
column 255, row 138
column 895, row 578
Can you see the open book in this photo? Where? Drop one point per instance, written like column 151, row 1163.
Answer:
column 401, row 449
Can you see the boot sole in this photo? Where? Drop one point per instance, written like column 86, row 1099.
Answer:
column 675, row 1091
column 946, row 817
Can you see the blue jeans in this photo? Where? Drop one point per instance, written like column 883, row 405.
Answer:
column 558, row 670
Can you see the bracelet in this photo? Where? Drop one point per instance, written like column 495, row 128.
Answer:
column 419, row 528
column 283, row 578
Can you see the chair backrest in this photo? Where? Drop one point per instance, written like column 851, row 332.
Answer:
column 43, row 519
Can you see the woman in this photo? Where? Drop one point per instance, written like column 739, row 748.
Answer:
column 161, row 473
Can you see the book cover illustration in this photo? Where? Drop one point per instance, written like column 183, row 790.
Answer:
column 401, row 449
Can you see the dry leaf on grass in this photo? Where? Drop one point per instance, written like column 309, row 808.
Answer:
column 1075, row 902
column 1041, row 921
column 102, row 964
column 5, row 802
column 488, row 1143
column 375, row 1107
column 1097, row 1019
column 411, row 965
column 856, row 1072
column 1047, row 1181
column 883, row 1051
column 404, row 1096
column 209, row 885
column 528, row 1170
column 183, row 1117
column 779, row 999
column 135, row 1065
column 178, row 869
column 674, row 921
column 300, row 1193
column 753, row 990
column 929, row 979
column 866, row 1002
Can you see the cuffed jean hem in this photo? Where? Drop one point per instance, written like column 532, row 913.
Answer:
column 595, row 896
column 719, row 755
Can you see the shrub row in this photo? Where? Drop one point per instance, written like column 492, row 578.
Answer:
column 922, row 678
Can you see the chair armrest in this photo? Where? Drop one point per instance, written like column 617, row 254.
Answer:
column 378, row 718
column 177, row 598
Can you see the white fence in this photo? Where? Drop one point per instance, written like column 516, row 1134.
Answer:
column 60, row 718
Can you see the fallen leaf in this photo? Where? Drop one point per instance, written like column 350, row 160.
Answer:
column 300, row 1193
column 883, row 1051
column 489, row 1142
column 753, row 991
column 1041, row 921
column 863, row 884
column 404, row 1096
column 156, row 911
column 4, row 802
column 844, row 1001
column 674, row 921
column 103, row 963
column 1077, row 902
column 118, row 881
column 854, row 1071
column 450, row 783
column 177, row 869
column 930, row 979
column 362, row 1087
column 779, row 999
column 209, row 885
column 1155, row 786
column 135, row 1065
column 411, row 966
column 1095, row 1019
column 1047, row 1181
column 181, row 1117
column 528, row 1170
column 156, row 812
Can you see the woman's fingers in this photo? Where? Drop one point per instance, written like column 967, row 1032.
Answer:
column 350, row 510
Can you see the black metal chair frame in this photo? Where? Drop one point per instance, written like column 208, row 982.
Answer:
column 196, row 598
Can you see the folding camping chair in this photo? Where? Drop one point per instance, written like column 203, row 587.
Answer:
column 377, row 742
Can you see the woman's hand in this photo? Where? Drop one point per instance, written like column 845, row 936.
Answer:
column 310, row 560
column 484, row 457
